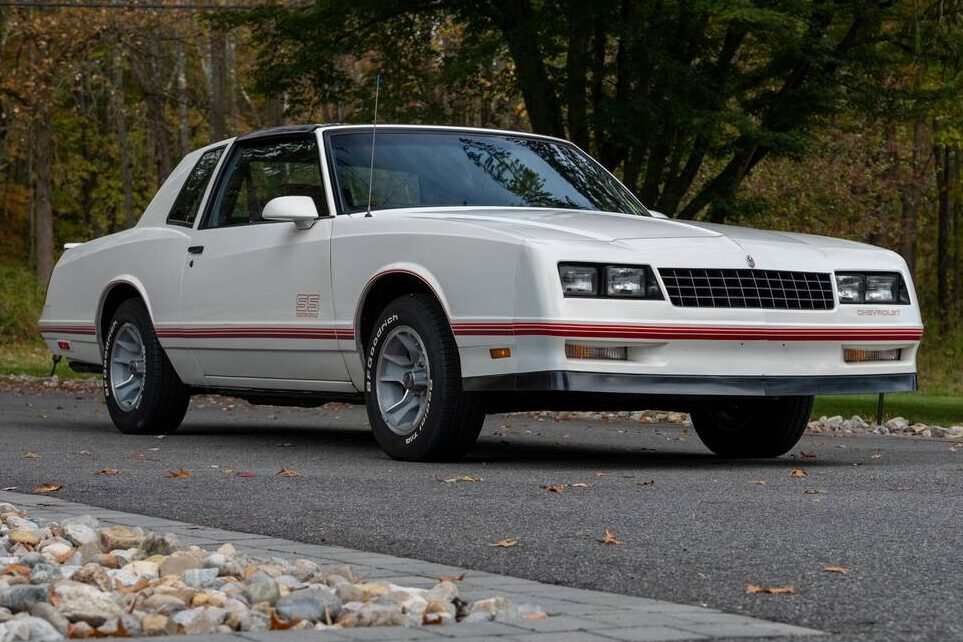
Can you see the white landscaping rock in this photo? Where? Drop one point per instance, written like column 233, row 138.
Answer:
column 28, row 629
column 124, row 582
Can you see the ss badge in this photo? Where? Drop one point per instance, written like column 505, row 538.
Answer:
column 307, row 305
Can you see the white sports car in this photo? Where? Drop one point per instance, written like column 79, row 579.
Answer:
column 438, row 274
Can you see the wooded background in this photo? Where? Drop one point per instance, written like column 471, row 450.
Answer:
column 838, row 117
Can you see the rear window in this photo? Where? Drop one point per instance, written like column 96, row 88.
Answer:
column 188, row 201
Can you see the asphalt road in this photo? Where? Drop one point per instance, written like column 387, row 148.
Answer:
column 694, row 529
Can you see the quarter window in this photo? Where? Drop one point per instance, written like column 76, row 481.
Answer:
column 188, row 201
column 258, row 172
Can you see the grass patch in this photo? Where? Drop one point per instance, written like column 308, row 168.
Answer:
column 33, row 359
column 918, row 407
column 21, row 300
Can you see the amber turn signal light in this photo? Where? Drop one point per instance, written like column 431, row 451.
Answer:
column 500, row 353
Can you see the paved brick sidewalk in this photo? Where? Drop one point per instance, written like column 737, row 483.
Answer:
column 576, row 615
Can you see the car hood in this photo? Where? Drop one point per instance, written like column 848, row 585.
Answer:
column 576, row 225
column 571, row 225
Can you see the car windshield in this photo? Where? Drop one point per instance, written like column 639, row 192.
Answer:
column 457, row 168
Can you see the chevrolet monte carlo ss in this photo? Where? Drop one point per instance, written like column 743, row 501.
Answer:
column 437, row 274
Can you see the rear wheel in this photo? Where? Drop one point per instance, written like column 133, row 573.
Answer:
column 759, row 427
column 144, row 395
column 416, row 407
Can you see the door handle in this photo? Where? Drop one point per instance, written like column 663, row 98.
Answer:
column 195, row 249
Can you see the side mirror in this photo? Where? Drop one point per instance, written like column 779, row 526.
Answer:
column 657, row 214
column 299, row 210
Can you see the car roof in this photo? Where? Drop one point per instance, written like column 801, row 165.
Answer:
column 286, row 130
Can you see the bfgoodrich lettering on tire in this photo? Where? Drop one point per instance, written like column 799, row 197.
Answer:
column 416, row 406
column 144, row 395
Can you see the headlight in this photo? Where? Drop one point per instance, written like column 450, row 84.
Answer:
column 882, row 288
column 615, row 281
column 624, row 281
column 871, row 287
column 579, row 280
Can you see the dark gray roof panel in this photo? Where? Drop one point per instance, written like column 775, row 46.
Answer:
column 285, row 130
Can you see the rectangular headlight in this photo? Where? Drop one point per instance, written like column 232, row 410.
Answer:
column 882, row 288
column 624, row 281
column 579, row 280
column 852, row 287
column 871, row 288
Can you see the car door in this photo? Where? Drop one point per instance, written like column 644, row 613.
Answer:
column 256, row 295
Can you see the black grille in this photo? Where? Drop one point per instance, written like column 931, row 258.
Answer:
column 767, row 289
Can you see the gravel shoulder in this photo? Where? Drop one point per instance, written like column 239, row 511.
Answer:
column 694, row 529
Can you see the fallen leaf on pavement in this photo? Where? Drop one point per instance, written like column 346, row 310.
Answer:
column 287, row 472
column 798, row 472
column 108, row 472
column 245, row 473
column 802, row 454
column 505, row 543
column 462, row 478
column 49, row 487
column 581, row 485
column 31, row 455
column 647, row 482
column 758, row 482
column 10, row 488
column 451, row 578
column 554, row 488
column 600, row 474
column 84, row 452
column 752, row 589
column 535, row 615
column 610, row 539
column 875, row 456
column 138, row 455
column 814, row 491
column 836, row 569
column 178, row 474
column 956, row 447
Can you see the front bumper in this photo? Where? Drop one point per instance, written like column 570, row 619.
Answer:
column 700, row 385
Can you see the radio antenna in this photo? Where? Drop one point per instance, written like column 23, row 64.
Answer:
column 374, row 129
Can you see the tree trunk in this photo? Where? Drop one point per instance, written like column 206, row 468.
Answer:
column 944, row 174
column 230, row 88
column 43, row 194
column 576, row 69
column 217, row 81
column 120, row 124
column 910, row 200
column 516, row 20
column 184, row 125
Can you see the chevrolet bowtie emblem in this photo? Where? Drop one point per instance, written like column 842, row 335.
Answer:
column 751, row 261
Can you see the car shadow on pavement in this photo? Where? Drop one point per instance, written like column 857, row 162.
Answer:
column 490, row 449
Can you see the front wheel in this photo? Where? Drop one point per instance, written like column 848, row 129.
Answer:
column 754, row 427
column 416, row 406
column 143, row 392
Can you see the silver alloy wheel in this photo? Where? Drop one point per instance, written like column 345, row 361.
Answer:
column 403, row 380
column 128, row 367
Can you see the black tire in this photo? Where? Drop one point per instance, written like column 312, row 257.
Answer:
column 453, row 418
column 164, row 398
column 753, row 428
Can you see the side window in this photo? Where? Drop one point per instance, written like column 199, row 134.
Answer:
column 188, row 200
column 257, row 172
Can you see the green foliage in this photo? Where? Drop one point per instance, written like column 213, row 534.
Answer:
column 21, row 300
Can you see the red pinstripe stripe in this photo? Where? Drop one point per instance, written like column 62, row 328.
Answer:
column 686, row 332
column 66, row 329
column 255, row 333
